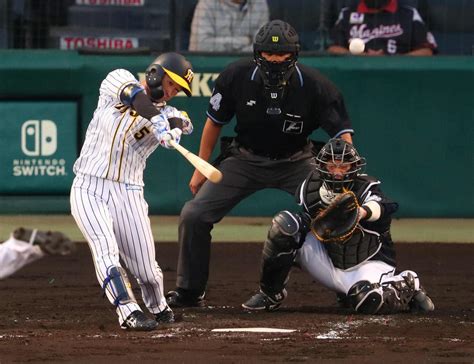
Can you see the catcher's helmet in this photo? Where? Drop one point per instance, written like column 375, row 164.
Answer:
column 276, row 37
column 338, row 151
column 178, row 68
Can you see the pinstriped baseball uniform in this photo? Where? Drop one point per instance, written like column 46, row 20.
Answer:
column 107, row 198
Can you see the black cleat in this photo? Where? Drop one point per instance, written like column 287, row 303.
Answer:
column 261, row 301
column 180, row 299
column 138, row 321
column 165, row 317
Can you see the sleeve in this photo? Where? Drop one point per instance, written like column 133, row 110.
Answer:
column 221, row 107
column 339, row 30
column 333, row 116
column 115, row 82
column 420, row 37
column 379, row 206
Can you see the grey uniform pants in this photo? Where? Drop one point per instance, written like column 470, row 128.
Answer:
column 244, row 173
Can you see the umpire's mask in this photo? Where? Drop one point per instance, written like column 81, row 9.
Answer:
column 276, row 37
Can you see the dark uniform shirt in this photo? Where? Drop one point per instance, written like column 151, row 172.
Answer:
column 395, row 30
column 311, row 101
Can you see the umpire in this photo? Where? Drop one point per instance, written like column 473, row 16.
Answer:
column 277, row 104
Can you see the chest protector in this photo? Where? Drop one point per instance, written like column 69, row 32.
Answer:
column 363, row 244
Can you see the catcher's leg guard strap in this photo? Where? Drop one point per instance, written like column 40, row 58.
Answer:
column 120, row 286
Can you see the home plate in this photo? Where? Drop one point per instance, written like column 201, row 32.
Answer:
column 254, row 329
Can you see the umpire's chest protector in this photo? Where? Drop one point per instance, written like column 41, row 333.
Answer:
column 294, row 124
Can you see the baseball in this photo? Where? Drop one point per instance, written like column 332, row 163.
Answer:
column 356, row 46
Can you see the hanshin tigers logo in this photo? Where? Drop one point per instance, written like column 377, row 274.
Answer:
column 189, row 75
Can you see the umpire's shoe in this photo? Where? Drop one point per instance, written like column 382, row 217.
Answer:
column 184, row 298
column 262, row 301
column 138, row 321
column 165, row 317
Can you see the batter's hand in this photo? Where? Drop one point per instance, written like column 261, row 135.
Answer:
column 197, row 180
column 167, row 136
column 178, row 119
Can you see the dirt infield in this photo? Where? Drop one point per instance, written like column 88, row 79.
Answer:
column 52, row 311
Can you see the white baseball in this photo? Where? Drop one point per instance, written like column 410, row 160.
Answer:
column 356, row 46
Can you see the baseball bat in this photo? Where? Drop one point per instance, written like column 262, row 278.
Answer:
column 208, row 170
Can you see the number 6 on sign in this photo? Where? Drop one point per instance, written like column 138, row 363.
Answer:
column 209, row 171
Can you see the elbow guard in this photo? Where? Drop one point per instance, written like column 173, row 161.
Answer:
column 129, row 92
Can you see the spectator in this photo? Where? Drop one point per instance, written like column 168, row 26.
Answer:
column 386, row 27
column 26, row 246
column 227, row 25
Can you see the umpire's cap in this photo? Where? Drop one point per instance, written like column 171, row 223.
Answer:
column 277, row 36
column 178, row 68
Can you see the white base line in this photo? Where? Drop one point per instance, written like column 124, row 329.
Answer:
column 254, row 329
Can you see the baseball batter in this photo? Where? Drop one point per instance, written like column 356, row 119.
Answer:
column 107, row 201
column 360, row 268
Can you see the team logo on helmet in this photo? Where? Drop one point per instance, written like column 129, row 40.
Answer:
column 189, row 75
column 275, row 38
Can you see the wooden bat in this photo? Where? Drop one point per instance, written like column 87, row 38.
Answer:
column 208, row 170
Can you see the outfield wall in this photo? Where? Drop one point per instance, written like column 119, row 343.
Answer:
column 413, row 119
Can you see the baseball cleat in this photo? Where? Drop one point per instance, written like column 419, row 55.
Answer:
column 421, row 302
column 181, row 299
column 50, row 242
column 261, row 301
column 165, row 317
column 138, row 321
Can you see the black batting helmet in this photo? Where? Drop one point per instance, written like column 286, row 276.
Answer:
column 340, row 152
column 178, row 68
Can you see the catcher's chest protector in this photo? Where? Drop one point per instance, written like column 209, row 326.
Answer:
column 360, row 247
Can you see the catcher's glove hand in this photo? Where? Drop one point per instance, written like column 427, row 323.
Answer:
column 338, row 221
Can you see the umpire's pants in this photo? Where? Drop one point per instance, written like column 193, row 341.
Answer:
column 243, row 174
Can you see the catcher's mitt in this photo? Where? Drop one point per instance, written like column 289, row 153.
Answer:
column 338, row 221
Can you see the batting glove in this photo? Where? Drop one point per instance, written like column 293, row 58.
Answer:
column 161, row 124
column 171, row 135
column 172, row 113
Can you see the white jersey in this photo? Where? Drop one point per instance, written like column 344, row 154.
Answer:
column 118, row 140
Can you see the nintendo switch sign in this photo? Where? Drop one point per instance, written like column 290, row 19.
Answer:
column 39, row 146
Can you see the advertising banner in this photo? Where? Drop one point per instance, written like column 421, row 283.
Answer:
column 38, row 146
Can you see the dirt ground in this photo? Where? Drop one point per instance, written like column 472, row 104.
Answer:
column 52, row 311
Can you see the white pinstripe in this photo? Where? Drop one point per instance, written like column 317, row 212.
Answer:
column 107, row 198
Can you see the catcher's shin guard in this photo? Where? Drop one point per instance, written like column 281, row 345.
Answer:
column 402, row 294
column 279, row 251
column 119, row 285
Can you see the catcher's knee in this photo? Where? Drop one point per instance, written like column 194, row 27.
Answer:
column 119, row 286
column 366, row 297
column 286, row 232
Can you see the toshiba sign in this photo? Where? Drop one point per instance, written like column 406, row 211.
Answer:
column 74, row 42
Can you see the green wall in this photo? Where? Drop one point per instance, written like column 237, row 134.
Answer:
column 413, row 119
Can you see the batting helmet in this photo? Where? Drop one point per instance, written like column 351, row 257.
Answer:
column 178, row 68
column 276, row 37
column 338, row 151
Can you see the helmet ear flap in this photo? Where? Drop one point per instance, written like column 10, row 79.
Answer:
column 154, row 78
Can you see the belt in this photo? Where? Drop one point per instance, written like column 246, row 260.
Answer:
column 272, row 156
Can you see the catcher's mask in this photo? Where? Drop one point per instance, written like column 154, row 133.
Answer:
column 336, row 153
column 178, row 68
column 276, row 37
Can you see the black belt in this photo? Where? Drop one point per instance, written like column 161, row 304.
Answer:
column 272, row 156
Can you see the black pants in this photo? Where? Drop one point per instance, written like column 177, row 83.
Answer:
column 243, row 174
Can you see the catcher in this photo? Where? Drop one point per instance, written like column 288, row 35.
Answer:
column 28, row 245
column 342, row 239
